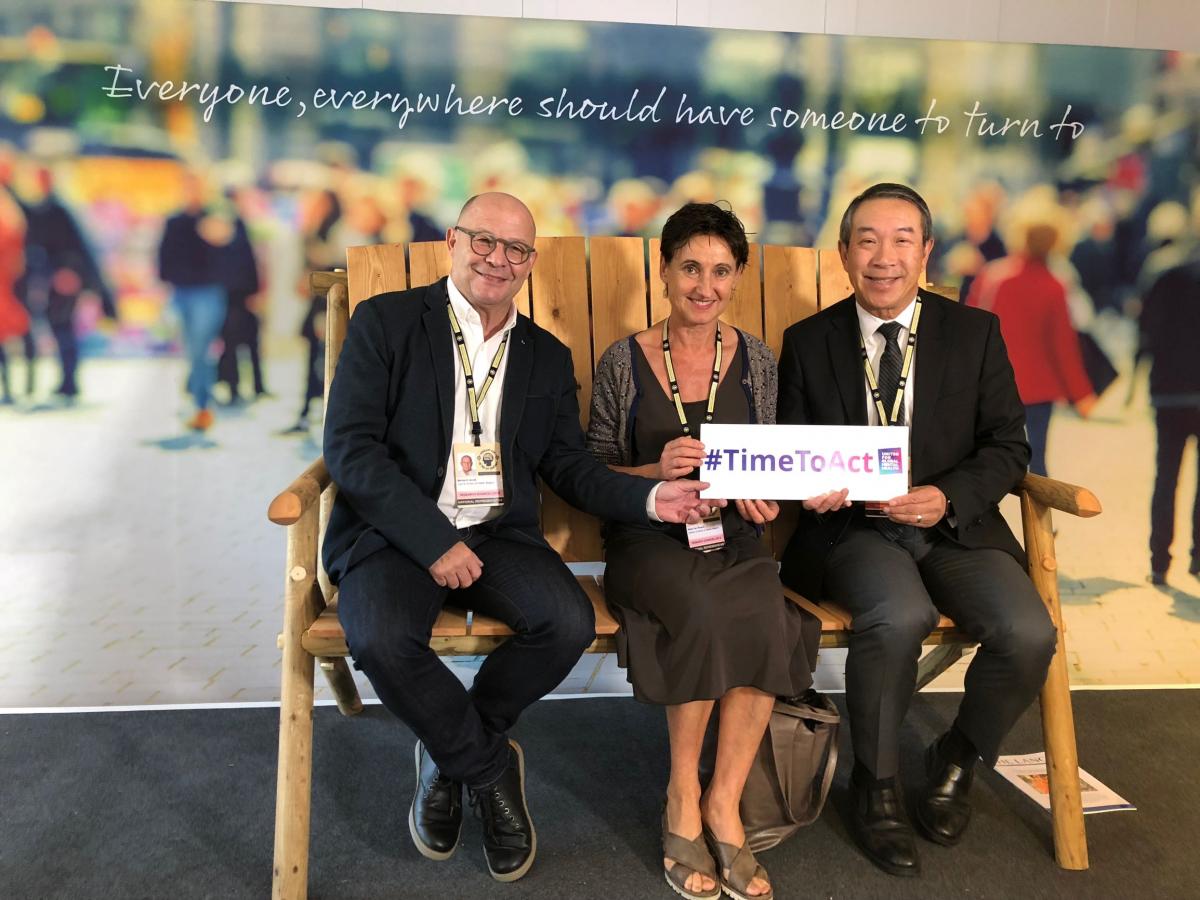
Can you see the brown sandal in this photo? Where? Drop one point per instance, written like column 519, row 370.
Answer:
column 738, row 868
column 691, row 857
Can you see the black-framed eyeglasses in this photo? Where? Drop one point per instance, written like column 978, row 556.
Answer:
column 483, row 244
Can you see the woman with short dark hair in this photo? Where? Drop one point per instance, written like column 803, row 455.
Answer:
column 704, row 621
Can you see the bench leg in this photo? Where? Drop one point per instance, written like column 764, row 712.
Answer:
column 341, row 682
column 937, row 661
column 293, row 789
column 1058, row 721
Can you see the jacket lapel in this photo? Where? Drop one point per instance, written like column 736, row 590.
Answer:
column 845, row 356
column 516, row 387
column 931, row 366
column 441, row 355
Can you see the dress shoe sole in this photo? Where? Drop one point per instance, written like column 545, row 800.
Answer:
column 520, row 871
column 423, row 848
column 899, row 871
column 890, row 868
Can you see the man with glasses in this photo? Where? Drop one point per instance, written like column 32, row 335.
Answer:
column 428, row 377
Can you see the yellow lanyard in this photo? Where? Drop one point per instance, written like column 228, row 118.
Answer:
column 909, row 352
column 474, row 400
column 712, row 391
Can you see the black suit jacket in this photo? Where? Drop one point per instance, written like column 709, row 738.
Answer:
column 387, row 434
column 967, row 430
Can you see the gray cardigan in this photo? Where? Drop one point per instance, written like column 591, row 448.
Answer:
column 616, row 392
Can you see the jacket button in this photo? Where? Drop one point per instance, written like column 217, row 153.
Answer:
column 441, row 471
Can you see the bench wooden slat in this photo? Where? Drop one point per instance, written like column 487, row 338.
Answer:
column 834, row 282
column 559, row 305
column 375, row 270
column 790, row 283
column 618, row 289
column 605, row 623
column 429, row 261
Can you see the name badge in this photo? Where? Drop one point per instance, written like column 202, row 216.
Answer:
column 708, row 534
column 477, row 476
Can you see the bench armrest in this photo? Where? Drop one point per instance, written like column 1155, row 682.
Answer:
column 301, row 494
column 1069, row 498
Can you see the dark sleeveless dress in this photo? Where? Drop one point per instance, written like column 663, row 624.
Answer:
column 693, row 624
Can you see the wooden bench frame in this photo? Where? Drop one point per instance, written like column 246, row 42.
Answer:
column 619, row 276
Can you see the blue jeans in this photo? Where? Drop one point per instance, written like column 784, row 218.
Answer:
column 387, row 604
column 201, row 315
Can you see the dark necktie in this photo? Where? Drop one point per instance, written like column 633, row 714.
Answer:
column 889, row 369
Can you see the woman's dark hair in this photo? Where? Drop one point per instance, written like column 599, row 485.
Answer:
column 699, row 219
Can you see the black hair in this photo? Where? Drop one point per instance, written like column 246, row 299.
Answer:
column 887, row 190
column 699, row 219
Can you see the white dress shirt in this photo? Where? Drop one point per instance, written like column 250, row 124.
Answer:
column 480, row 352
column 875, row 342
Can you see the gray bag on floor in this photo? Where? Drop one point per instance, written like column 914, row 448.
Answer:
column 791, row 774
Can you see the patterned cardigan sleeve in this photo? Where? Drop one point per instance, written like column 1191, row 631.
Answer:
column 764, row 379
column 608, row 417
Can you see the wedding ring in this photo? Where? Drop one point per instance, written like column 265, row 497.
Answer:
column 919, row 517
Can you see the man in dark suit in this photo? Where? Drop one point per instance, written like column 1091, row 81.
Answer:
column 426, row 377
column 941, row 547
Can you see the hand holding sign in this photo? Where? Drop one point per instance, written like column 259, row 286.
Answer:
column 679, row 457
column 805, row 462
column 758, row 512
column 829, row 501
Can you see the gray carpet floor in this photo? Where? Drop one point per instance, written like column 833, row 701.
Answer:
column 162, row 804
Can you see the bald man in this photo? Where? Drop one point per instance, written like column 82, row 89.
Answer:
column 427, row 377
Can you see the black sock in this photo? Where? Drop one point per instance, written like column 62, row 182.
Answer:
column 957, row 748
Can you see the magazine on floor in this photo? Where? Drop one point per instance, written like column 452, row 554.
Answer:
column 1028, row 773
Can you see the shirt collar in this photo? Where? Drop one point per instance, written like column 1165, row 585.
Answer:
column 869, row 324
column 466, row 312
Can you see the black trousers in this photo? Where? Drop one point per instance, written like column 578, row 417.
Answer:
column 894, row 588
column 388, row 603
column 1175, row 425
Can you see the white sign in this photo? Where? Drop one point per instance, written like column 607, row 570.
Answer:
column 794, row 462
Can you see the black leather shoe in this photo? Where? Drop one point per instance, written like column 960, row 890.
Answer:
column 435, row 817
column 509, row 841
column 882, row 828
column 943, row 809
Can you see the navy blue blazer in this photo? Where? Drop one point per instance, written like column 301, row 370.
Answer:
column 967, row 434
column 387, row 434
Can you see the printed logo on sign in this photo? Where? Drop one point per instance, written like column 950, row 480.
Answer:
column 891, row 462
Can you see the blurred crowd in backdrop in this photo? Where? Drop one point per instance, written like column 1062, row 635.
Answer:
column 89, row 181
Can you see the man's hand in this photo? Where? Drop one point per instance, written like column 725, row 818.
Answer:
column 679, row 457
column 922, row 506
column 679, row 501
column 760, row 512
column 458, row 567
column 829, row 501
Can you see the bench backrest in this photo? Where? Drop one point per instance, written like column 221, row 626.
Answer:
column 591, row 292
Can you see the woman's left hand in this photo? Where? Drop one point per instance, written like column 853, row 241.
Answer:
column 760, row 512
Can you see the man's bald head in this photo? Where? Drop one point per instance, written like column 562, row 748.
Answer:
column 486, row 204
column 490, row 280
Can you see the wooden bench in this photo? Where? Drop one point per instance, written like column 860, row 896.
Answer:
column 589, row 294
